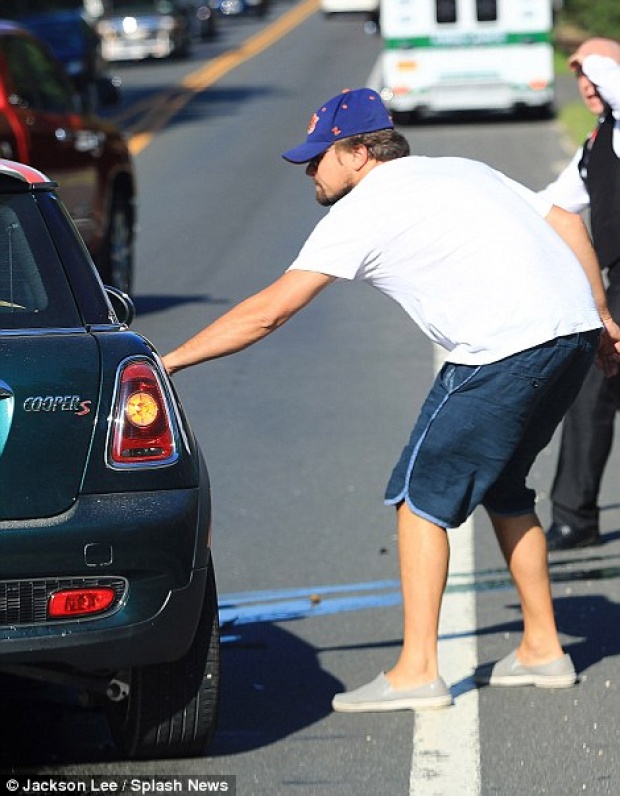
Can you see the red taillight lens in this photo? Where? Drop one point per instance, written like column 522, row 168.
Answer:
column 79, row 602
column 142, row 430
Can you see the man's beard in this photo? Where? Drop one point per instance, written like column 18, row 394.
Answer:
column 327, row 201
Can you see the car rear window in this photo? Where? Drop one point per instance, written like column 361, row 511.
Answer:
column 34, row 292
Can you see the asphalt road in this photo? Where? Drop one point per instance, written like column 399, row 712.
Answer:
column 300, row 434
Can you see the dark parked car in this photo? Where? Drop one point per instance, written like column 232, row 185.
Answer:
column 43, row 123
column 71, row 37
column 106, row 579
column 234, row 8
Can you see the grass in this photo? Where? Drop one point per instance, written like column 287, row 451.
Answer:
column 559, row 63
column 577, row 121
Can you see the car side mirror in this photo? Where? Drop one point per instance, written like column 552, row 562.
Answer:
column 123, row 306
column 108, row 90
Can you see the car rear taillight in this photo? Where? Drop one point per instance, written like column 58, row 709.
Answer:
column 69, row 603
column 142, row 431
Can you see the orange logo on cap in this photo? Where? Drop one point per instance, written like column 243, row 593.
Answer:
column 336, row 130
column 313, row 123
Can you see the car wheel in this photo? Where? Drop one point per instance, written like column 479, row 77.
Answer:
column 183, row 48
column 117, row 257
column 171, row 709
column 210, row 32
column 208, row 27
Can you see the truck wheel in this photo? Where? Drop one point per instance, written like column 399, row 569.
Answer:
column 117, row 255
column 171, row 709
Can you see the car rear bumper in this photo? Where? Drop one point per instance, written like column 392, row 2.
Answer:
column 154, row 544
column 94, row 648
column 158, row 46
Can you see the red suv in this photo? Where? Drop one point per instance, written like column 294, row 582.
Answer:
column 44, row 124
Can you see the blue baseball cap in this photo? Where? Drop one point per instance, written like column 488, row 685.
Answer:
column 352, row 112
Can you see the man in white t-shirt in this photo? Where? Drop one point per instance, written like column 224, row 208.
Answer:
column 510, row 286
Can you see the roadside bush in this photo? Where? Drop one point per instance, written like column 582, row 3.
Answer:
column 599, row 18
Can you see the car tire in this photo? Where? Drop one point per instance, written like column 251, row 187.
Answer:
column 208, row 28
column 183, row 50
column 117, row 255
column 171, row 710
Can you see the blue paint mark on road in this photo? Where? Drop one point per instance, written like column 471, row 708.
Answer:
column 281, row 605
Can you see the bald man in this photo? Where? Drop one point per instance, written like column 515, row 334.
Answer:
column 591, row 180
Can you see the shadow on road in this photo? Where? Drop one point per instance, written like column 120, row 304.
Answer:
column 272, row 687
column 45, row 725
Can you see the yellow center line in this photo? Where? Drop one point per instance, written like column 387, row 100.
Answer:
column 168, row 104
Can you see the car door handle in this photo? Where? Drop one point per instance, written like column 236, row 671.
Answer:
column 7, row 406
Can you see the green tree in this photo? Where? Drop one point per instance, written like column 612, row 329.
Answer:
column 597, row 17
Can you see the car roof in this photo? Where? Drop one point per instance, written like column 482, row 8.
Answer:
column 10, row 28
column 6, row 26
column 25, row 176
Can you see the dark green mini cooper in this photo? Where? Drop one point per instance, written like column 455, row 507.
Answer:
column 106, row 578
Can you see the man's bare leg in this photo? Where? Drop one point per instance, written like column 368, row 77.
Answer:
column 523, row 544
column 423, row 556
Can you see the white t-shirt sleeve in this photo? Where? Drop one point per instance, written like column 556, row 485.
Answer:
column 569, row 190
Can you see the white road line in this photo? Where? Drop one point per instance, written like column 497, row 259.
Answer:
column 446, row 744
column 446, row 749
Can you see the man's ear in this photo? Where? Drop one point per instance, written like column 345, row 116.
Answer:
column 361, row 157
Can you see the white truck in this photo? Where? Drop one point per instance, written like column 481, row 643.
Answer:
column 467, row 55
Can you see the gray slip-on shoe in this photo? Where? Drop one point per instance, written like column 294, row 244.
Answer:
column 508, row 671
column 380, row 696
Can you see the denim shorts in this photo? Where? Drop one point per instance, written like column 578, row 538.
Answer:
column 481, row 428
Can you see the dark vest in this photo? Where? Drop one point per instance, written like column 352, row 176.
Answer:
column 600, row 170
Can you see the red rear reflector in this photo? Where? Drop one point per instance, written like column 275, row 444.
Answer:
column 80, row 602
column 142, row 429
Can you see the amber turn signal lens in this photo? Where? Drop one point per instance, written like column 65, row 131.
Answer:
column 141, row 409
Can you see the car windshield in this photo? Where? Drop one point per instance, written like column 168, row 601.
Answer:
column 34, row 292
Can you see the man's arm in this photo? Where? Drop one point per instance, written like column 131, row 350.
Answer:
column 573, row 232
column 251, row 320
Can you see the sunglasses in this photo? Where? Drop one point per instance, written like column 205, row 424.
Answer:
column 314, row 163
